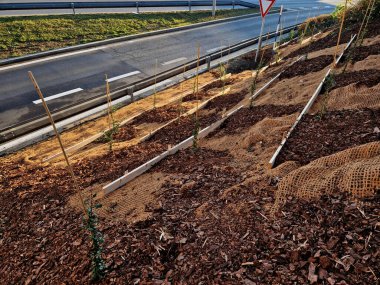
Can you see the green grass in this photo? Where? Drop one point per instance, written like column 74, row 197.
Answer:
column 25, row 35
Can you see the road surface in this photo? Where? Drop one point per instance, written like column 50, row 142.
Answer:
column 73, row 77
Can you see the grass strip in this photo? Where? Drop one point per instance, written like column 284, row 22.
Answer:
column 23, row 35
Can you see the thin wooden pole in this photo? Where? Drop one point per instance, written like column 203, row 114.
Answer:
column 366, row 24
column 110, row 119
column 364, row 19
column 197, row 81
column 155, row 85
column 340, row 32
column 76, row 185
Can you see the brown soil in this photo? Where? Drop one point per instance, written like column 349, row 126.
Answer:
column 336, row 131
column 303, row 67
column 367, row 77
column 247, row 117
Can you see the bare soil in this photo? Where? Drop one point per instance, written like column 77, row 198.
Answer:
column 315, row 137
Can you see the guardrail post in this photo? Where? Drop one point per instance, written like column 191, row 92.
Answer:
column 189, row 5
column 73, row 7
column 130, row 93
column 137, row 8
column 208, row 61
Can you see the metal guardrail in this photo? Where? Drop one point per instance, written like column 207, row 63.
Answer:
column 123, row 4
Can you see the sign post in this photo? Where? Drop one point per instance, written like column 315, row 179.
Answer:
column 265, row 6
column 278, row 28
column 213, row 8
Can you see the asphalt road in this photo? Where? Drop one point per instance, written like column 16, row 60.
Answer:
column 124, row 63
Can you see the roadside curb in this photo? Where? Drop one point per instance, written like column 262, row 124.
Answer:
column 120, row 39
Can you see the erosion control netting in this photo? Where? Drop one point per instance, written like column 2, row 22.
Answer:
column 303, row 67
column 350, row 97
column 317, row 136
column 367, row 77
column 355, row 170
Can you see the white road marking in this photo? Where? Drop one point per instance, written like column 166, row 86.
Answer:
column 174, row 60
column 58, row 95
column 216, row 49
column 303, row 8
column 123, row 76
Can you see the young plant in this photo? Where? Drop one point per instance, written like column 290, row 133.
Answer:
column 328, row 85
column 254, row 81
column 91, row 224
column 222, row 75
column 195, row 134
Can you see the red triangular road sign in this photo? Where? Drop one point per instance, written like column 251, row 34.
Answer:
column 265, row 6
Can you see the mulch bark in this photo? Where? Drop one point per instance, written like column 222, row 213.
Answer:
column 158, row 115
column 336, row 131
column 247, row 117
column 362, row 52
column 247, row 62
column 326, row 42
column 226, row 101
column 366, row 77
column 307, row 66
column 126, row 133
column 200, row 231
column 204, row 92
column 232, row 241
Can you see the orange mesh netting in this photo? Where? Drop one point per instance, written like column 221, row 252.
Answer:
column 355, row 170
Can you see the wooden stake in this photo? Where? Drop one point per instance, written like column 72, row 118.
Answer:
column 197, row 81
column 364, row 20
column 110, row 119
column 340, row 32
column 76, row 185
column 155, row 84
column 366, row 24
